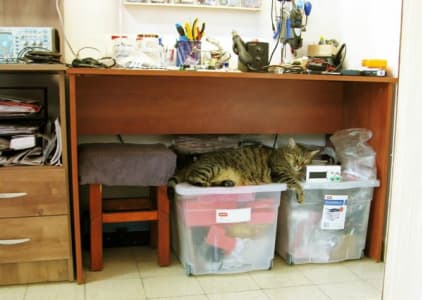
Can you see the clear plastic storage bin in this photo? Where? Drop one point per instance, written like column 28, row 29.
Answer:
column 329, row 226
column 226, row 229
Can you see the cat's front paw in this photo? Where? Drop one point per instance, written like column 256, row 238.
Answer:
column 197, row 182
column 300, row 196
column 228, row 183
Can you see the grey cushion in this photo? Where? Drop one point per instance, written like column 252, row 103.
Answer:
column 125, row 164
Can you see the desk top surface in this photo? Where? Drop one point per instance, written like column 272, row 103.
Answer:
column 223, row 74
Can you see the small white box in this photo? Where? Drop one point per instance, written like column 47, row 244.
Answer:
column 329, row 226
column 323, row 173
column 226, row 229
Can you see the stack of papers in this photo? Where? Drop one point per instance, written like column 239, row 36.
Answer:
column 13, row 107
column 34, row 149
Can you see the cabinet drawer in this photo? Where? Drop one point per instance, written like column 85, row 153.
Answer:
column 33, row 191
column 34, row 239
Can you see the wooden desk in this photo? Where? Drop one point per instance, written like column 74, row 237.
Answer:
column 181, row 102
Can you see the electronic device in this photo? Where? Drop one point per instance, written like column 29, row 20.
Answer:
column 332, row 63
column 253, row 56
column 323, row 173
column 15, row 40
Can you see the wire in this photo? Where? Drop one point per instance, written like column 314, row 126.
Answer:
column 286, row 68
column 275, row 141
column 59, row 14
column 272, row 15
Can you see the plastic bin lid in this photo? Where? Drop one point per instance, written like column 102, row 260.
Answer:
column 188, row 189
column 342, row 185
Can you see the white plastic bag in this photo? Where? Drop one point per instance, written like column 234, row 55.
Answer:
column 356, row 156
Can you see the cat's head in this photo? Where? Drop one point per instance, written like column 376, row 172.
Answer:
column 296, row 155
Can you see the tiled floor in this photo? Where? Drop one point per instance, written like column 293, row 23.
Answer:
column 132, row 273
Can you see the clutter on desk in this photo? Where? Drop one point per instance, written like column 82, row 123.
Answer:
column 145, row 51
column 326, row 56
column 252, row 56
column 289, row 21
column 188, row 45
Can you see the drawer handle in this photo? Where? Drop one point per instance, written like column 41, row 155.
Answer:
column 14, row 242
column 12, row 195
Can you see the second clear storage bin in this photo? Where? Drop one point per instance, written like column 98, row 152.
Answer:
column 226, row 229
column 329, row 226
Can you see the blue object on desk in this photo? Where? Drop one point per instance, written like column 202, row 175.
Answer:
column 188, row 53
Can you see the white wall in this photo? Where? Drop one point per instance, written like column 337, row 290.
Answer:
column 404, row 235
column 370, row 28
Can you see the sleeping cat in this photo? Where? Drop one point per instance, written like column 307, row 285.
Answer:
column 249, row 165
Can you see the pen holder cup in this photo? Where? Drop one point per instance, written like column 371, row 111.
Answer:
column 188, row 53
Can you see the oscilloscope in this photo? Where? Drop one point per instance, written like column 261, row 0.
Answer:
column 14, row 40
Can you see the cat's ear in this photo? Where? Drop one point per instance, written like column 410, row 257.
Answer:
column 314, row 153
column 292, row 143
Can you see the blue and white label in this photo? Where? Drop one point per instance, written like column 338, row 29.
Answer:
column 334, row 212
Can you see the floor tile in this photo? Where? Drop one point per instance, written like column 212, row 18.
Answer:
column 195, row 297
column 327, row 273
column 357, row 290
column 13, row 292
column 171, row 286
column 126, row 289
column 223, row 283
column 133, row 273
column 114, row 268
column 376, row 283
column 296, row 293
column 129, row 253
column 280, row 276
column 55, row 291
column 248, row 295
column 150, row 268
column 366, row 268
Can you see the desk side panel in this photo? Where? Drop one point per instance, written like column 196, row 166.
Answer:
column 370, row 105
column 167, row 105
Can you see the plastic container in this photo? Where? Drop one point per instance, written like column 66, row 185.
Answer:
column 188, row 53
column 251, row 3
column 149, row 51
column 329, row 226
column 226, row 230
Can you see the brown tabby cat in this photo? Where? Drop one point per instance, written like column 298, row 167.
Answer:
column 249, row 165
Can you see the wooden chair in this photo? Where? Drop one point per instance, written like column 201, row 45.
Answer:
column 127, row 165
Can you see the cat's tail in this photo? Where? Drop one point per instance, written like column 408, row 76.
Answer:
column 171, row 186
column 173, row 181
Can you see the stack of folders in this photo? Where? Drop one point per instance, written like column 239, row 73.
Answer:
column 22, row 144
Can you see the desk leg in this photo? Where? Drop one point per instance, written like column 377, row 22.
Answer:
column 163, row 207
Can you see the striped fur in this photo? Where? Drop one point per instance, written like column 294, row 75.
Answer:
column 249, row 165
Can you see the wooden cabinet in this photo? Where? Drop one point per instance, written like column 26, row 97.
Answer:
column 35, row 236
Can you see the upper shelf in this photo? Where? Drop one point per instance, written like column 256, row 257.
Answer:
column 241, row 5
column 32, row 67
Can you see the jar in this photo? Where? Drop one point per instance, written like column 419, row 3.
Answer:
column 121, row 46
